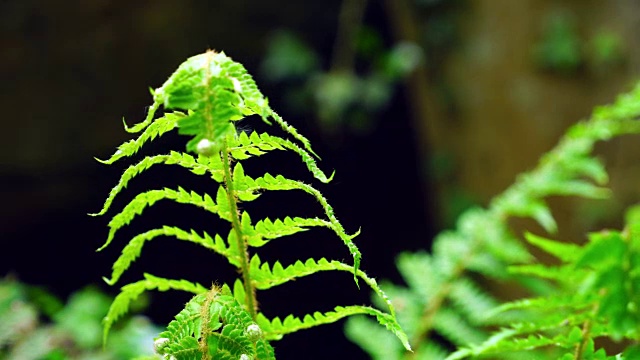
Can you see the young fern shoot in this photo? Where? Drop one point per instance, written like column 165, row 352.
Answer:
column 203, row 99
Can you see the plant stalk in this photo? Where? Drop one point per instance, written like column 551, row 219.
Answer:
column 428, row 316
column 243, row 248
column 580, row 347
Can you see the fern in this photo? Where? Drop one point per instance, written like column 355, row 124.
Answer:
column 214, row 326
column 131, row 292
column 443, row 296
column 598, row 296
column 204, row 98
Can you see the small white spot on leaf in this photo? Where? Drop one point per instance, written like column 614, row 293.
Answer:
column 253, row 332
column 160, row 344
column 206, row 147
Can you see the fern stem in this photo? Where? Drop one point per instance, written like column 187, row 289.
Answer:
column 205, row 328
column 586, row 329
column 425, row 325
column 243, row 249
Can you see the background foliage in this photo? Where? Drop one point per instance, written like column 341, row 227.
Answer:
column 37, row 325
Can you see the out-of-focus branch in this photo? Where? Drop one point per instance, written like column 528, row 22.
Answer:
column 349, row 23
column 426, row 113
column 428, row 119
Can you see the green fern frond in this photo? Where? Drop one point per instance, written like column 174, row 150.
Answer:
column 455, row 328
column 562, row 250
column 432, row 351
column 491, row 234
column 199, row 166
column 131, row 292
column 590, row 168
column 380, row 344
column 557, row 273
column 291, row 130
column 213, row 326
column 269, row 182
column 224, row 208
column 568, row 301
column 244, row 146
column 155, row 129
column 552, row 322
column 131, row 172
column 526, row 344
column 276, row 328
column 471, row 301
column 247, row 187
column 146, row 122
column 306, row 158
column 625, row 107
column 150, row 197
column 505, row 342
column 210, row 93
column 228, row 93
column 483, row 243
column 266, row 276
column 598, row 290
column 248, row 88
column 266, row 229
column 238, row 292
column 133, row 249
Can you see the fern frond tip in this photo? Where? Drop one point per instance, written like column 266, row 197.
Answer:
column 106, row 243
column 106, row 162
column 101, row 212
column 110, row 282
column 124, row 123
column 330, row 177
column 142, row 125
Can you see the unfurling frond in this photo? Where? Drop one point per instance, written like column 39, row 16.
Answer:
column 203, row 99
column 214, row 326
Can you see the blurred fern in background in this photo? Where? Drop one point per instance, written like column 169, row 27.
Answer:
column 36, row 325
column 447, row 302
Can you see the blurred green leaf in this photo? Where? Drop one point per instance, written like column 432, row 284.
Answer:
column 403, row 58
column 288, row 58
column 606, row 49
column 559, row 49
column 76, row 331
column 82, row 317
